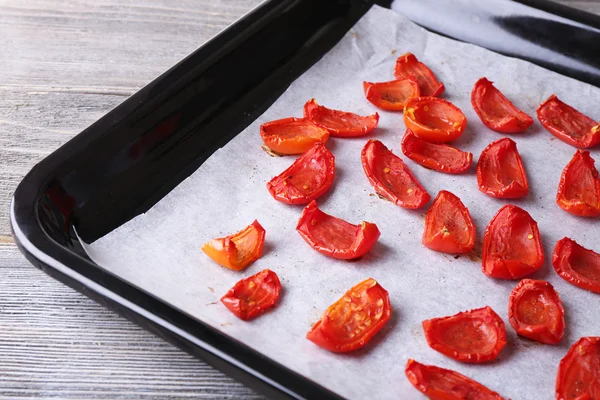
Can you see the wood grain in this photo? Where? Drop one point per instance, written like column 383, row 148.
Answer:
column 64, row 64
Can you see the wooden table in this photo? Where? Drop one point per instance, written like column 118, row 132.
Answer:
column 64, row 64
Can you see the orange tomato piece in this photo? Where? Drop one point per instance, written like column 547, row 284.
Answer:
column 433, row 119
column 500, row 171
column 392, row 95
column 577, row 265
column 449, row 227
column 292, row 135
column 579, row 188
column 252, row 296
column 352, row 321
column 578, row 375
column 407, row 66
column 438, row 157
column 340, row 123
column 239, row 250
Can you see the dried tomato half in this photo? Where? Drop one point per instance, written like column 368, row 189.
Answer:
column 536, row 311
column 407, row 66
column 310, row 176
column 578, row 375
column 391, row 178
column 449, row 227
column 335, row 237
column 392, row 95
column 239, row 250
column 444, row 384
column 340, row 123
column 473, row 336
column 352, row 321
column 292, row 135
column 579, row 188
column 438, row 157
column 500, row 171
column 512, row 247
column 568, row 124
column 254, row 295
column 433, row 119
column 577, row 265
column 496, row 111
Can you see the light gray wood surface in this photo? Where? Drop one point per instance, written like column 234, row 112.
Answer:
column 65, row 63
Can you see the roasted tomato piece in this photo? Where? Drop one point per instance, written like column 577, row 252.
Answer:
column 292, row 135
column 438, row 157
column 577, row 265
column 449, row 227
column 392, row 95
column 306, row 179
column 496, row 111
column 335, row 237
column 578, row 375
column 433, row 119
column 407, row 66
column 239, row 250
column 340, row 123
column 579, row 188
column 473, row 336
column 391, row 178
column 568, row 124
column 349, row 323
column 444, row 384
column 500, row 171
column 512, row 247
column 536, row 312
column 254, row 295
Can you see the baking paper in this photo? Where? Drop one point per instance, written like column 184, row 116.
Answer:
column 160, row 250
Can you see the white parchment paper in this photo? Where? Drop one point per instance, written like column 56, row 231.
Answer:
column 160, row 250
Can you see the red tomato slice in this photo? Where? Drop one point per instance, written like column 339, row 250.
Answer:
column 449, row 227
column 578, row 375
column 438, row 157
column 579, row 188
column 392, row 95
column 310, row 176
column 536, row 312
column 444, row 384
column 500, row 171
column 292, row 135
column 512, row 247
column 391, row 178
column 433, row 119
column 473, row 336
column 496, row 111
column 577, row 265
column 568, row 124
column 254, row 295
column 239, row 250
column 335, row 237
column 407, row 66
column 340, row 123
column 352, row 321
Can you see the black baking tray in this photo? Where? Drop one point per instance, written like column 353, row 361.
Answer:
column 129, row 159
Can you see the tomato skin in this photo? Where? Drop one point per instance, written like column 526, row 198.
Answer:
column 577, row 265
column 579, row 187
column 500, row 171
column 444, row 384
column 309, row 177
column 292, row 135
column 496, row 111
column 578, row 375
column 391, row 178
column 568, row 124
column 407, row 66
column 536, row 312
column 474, row 336
column 391, row 95
column 442, row 231
column 352, row 321
column 340, row 123
column 438, row 157
column 433, row 119
column 335, row 237
column 239, row 250
column 252, row 296
column 512, row 247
